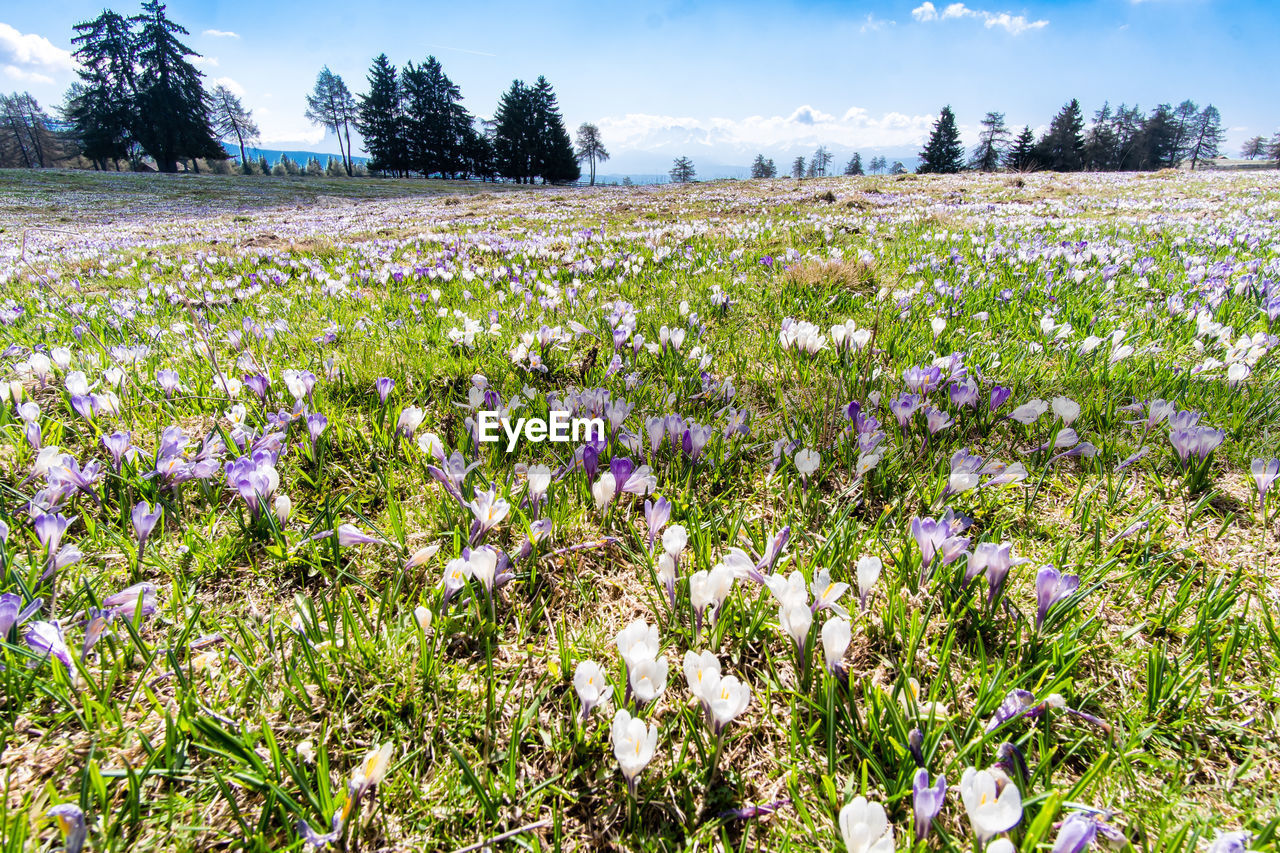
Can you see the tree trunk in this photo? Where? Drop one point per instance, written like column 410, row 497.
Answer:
column 346, row 129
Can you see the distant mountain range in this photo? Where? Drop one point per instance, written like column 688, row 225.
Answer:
column 647, row 174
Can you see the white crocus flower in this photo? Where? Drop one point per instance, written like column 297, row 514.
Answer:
column 633, row 745
column 590, row 682
column 865, row 827
column 991, row 811
column 648, row 678
column 674, row 539
column 796, row 618
column 826, row 593
column 603, row 491
column 702, row 671
column 868, row 572
column 836, row 636
column 638, row 641
column 728, row 700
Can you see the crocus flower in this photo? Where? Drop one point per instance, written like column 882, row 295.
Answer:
column 868, row 572
column 384, row 386
column 927, row 801
column 132, row 601
column 1075, row 833
column 591, row 684
column 456, row 574
column 995, row 560
column 1265, row 472
column 656, row 515
column 45, row 639
column 807, row 462
column 796, row 618
column 708, row 590
column 70, row 818
column 410, row 419
column 836, row 636
column 633, row 745
column 1051, row 587
column 702, row 672
column 827, row 593
column 603, row 491
column 728, row 700
column 637, row 641
column 13, row 613
column 991, row 810
column 95, row 628
column 488, row 510
column 144, row 519
column 1230, row 842
column 350, row 536
column 865, row 828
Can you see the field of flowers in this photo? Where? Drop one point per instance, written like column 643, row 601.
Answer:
column 929, row 513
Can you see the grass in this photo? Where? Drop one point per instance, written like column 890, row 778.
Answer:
column 277, row 659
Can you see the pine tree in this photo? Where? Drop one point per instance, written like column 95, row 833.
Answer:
column 331, row 106
column 1253, row 148
column 878, row 165
column 1273, row 150
column 992, row 143
column 231, row 118
column 1157, row 146
column 437, row 128
column 821, row 162
column 1062, row 148
column 101, row 107
column 943, row 154
column 171, row 119
column 25, row 136
column 1101, row 142
column 771, row 171
column 759, row 168
column 854, row 166
column 1021, row 156
column 513, row 149
column 590, row 147
column 797, row 168
column 1206, row 136
column 1182, row 128
column 555, row 160
column 682, row 171
column 380, row 119
column 897, row 168
column 264, row 165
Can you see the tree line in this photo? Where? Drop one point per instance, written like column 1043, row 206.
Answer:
column 1122, row 138
column 140, row 96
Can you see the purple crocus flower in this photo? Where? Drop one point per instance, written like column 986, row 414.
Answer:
column 922, row 380
column 117, row 444
column 45, row 639
column 996, row 560
column 384, row 386
column 144, row 520
column 316, row 425
column 168, row 381
column 1015, row 704
column 83, row 406
column 772, row 551
column 656, row 515
column 70, row 818
column 258, row 384
column 349, row 536
column 95, row 628
column 1075, row 833
column 1265, row 472
column 132, row 601
column 999, row 396
column 13, row 613
column 1230, row 842
column 1195, row 441
column 903, row 407
column 50, row 527
column 1051, row 587
column 927, row 801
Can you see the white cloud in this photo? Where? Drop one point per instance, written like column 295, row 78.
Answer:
column 1012, row 24
column 25, row 76
column 925, row 12
column 221, row 34
column 236, row 88
column 205, row 61
column 27, row 56
column 805, row 128
column 1015, row 25
column 872, row 24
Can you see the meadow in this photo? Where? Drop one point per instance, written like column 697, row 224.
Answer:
column 931, row 513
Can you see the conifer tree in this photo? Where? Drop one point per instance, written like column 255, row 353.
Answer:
column 380, row 118
column 100, row 107
column 556, row 161
column 1062, row 148
column 854, row 166
column 992, row 143
column 1021, row 156
column 943, row 154
column 331, row 106
column 682, row 170
column 232, row 118
column 1206, row 136
column 758, row 167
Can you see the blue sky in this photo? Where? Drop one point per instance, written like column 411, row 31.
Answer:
column 721, row 80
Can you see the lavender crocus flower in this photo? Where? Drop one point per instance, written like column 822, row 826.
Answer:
column 50, row 527
column 13, row 613
column 132, row 602
column 922, row 380
column 117, row 444
column 1265, row 472
column 144, row 520
column 999, row 396
column 927, row 801
column 1195, row 441
column 45, row 639
column 1230, row 842
column 95, row 628
column 656, row 515
column 70, row 818
column 384, row 386
column 349, row 536
column 259, row 384
column 1075, row 834
column 995, row 560
column 1051, row 587
column 316, row 425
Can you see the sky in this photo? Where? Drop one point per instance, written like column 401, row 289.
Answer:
column 720, row 81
